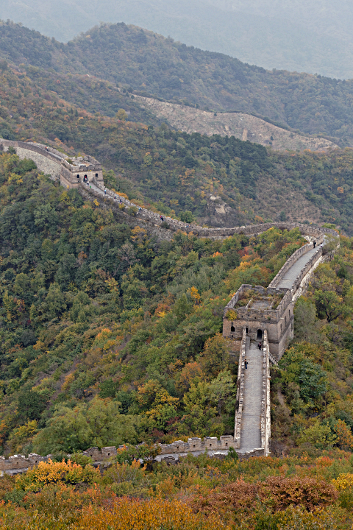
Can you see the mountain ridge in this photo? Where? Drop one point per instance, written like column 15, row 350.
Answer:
column 256, row 33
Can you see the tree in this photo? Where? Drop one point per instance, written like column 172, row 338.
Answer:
column 95, row 424
column 305, row 321
column 329, row 305
column 187, row 217
column 319, row 435
column 122, row 115
column 31, row 404
column 215, row 355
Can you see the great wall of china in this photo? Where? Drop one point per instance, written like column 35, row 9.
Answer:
column 258, row 321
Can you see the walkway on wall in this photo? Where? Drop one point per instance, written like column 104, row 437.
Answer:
column 292, row 274
column 250, row 433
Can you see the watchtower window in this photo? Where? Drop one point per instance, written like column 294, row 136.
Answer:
column 259, row 334
column 232, row 329
column 78, row 176
column 97, row 175
column 247, row 330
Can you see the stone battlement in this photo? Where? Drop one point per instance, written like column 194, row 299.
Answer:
column 196, row 446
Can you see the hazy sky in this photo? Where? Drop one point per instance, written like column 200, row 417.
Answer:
column 314, row 36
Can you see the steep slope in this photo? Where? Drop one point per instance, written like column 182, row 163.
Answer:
column 221, row 181
column 91, row 307
column 153, row 65
column 240, row 125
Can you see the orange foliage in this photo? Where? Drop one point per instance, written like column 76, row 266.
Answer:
column 56, row 472
column 155, row 514
column 189, row 373
column 277, row 493
column 345, row 437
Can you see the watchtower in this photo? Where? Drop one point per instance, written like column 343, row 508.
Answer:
column 80, row 169
column 258, row 309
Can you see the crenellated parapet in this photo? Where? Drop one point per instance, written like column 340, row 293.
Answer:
column 170, row 452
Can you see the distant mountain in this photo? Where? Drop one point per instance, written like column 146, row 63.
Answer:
column 139, row 60
column 313, row 38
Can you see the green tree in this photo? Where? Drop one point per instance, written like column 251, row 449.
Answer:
column 95, row 424
column 187, row 217
column 329, row 305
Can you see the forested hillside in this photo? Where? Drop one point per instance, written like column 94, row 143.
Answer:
column 285, row 35
column 218, row 180
column 108, row 336
column 92, row 310
column 153, row 65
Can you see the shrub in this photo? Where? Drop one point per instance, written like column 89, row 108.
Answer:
column 56, row 472
column 155, row 514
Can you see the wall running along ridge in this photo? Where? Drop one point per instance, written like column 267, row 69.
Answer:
column 27, row 150
column 55, row 164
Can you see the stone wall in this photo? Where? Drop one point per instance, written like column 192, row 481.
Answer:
column 216, row 233
column 47, row 162
column 290, row 261
column 93, row 166
column 240, row 392
column 106, row 202
column 196, row 446
column 266, row 399
column 306, row 276
column 309, row 268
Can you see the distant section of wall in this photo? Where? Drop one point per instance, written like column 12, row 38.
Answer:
column 108, row 197
column 70, row 171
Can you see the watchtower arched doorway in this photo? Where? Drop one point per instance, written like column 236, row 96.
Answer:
column 259, row 334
